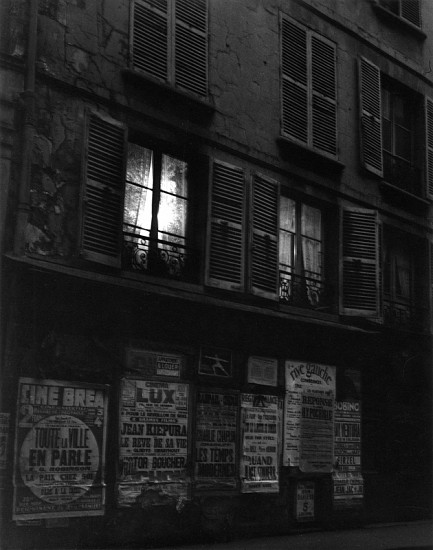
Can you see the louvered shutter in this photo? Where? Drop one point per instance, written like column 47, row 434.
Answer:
column 225, row 250
column 410, row 10
column 430, row 246
column 429, row 145
column 103, row 190
column 360, row 273
column 370, row 113
column 294, row 81
column 150, row 38
column 191, row 51
column 264, row 239
column 324, row 95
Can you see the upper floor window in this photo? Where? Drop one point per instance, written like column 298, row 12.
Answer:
column 308, row 88
column 409, row 10
column 300, row 253
column 394, row 129
column 169, row 42
column 136, row 215
column 155, row 211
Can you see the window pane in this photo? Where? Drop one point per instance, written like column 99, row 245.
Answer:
column 174, row 176
column 401, row 111
column 311, row 222
column 386, row 107
column 137, row 214
column 286, row 250
column 402, row 143
column 287, row 214
column 386, row 135
column 311, row 255
column 172, row 219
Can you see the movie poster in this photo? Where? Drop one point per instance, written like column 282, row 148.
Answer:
column 59, row 449
column 215, row 440
column 260, row 428
column 153, row 443
column 309, row 416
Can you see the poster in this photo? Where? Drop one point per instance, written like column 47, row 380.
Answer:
column 347, row 477
column 153, row 363
column 215, row 362
column 262, row 370
column 4, row 438
column 305, row 501
column 59, row 449
column 215, row 440
column 309, row 416
column 153, row 442
column 260, row 428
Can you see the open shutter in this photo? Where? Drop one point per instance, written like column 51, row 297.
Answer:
column 410, row 10
column 191, row 51
column 324, row 95
column 370, row 113
column 264, row 240
column 149, row 44
column 225, row 250
column 103, row 190
column 429, row 145
column 294, row 81
column 360, row 271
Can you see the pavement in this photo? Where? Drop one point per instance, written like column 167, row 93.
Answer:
column 417, row 535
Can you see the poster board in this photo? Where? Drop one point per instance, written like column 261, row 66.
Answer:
column 262, row 370
column 153, row 442
column 216, row 440
column 59, row 449
column 260, row 428
column 309, row 416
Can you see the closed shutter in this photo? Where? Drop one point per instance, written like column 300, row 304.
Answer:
column 149, row 44
column 360, row 273
column 294, row 81
column 410, row 10
column 226, row 238
column 191, row 52
column 429, row 145
column 103, row 190
column 370, row 113
column 264, row 253
column 324, row 95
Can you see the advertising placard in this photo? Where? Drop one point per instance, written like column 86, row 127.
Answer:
column 305, row 501
column 215, row 440
column 59, row 449
column 154, row 363
column 260, row 428
column 4, row 438
column 153, row 442
column 309, row 416
column 262, row 370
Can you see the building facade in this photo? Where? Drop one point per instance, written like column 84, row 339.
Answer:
column 216, row 301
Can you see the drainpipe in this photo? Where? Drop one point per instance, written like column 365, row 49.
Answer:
column 28, row 132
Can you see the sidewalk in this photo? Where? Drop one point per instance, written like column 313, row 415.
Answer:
column 403, row 536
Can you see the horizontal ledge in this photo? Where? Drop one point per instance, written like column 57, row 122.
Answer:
column 304, row 153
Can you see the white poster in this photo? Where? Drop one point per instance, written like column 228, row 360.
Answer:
column 262, row 370
column 309, row 416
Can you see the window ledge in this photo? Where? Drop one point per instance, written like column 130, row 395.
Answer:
column 309, row 158
column 397, row 20
column 155, row 86
column 401, row 197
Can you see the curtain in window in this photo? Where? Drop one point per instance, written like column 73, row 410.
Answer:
column 311, row 241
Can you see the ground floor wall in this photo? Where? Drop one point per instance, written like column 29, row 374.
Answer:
column 136, row 418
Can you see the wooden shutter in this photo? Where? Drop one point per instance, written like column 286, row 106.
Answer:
column 191, row 51
column 429, row 145
column 370, row 113
column 103, row 190
column 264, row 238
column 430, row 251
column 411, row 11
column 294, row 81
column 360, row 269
column 324, row 95
column 226, row 238
column 150, row 37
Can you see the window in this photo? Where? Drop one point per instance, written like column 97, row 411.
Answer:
column 155, row 211
column 300, row 253
column 409, row 10
column 392, row 119
column 137, row 204
column 309, row 92
column 169, row 42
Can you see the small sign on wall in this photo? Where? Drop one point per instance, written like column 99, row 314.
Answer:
column 305, row 501
column 262, row 370
column 215, row 362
